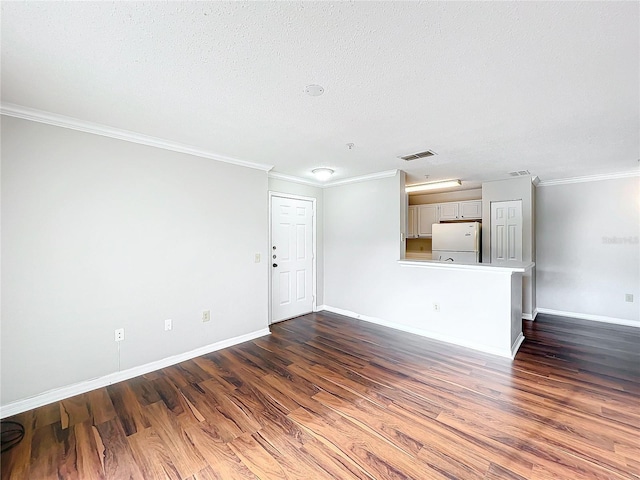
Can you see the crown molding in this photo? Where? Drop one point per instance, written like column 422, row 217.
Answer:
column 363, row 178
column 40, row 116
column 590, row 178
column 294, row 179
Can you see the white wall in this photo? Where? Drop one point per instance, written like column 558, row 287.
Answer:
column 283, row 186
column 362, row 244
column 588, row 253
column 99, row 233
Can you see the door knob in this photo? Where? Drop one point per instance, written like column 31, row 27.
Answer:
column 275, row 264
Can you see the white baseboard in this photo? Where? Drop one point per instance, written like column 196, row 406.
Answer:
column 527, row 316
column 516, row 345
column 508, row 353
column 58, row 394
column 594, row 318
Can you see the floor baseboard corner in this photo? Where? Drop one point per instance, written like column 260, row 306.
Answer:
column 67, row 391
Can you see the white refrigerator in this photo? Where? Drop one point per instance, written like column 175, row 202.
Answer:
column 456, row 242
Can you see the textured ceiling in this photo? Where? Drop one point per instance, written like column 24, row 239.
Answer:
column 552, row 87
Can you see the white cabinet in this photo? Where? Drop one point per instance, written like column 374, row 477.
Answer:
column 467, row 210
column 471, row 209
column 427, row 215
column 420, row 218
column 412, row 222
column 449, row 211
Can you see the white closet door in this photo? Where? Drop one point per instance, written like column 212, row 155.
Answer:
column 506, row 231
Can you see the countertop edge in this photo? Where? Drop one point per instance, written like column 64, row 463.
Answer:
column 482, row 267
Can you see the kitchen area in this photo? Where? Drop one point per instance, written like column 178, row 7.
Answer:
column 445, row 226
column 477, row 305
column 480, row 241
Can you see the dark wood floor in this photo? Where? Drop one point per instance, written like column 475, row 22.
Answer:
column 329, row 397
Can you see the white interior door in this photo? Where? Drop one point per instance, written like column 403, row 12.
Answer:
column 506, row 231
column 291, row 257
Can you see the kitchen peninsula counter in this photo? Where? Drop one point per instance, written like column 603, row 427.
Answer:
column 477, row 306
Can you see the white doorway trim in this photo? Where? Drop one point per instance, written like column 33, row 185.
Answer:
column 313, row 250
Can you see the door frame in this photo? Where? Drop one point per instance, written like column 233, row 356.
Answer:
column 313, row 248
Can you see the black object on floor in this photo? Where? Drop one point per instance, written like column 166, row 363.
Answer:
column 12, row 434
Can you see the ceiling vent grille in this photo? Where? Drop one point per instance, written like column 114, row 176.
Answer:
column 416, row 156
column 520, row 173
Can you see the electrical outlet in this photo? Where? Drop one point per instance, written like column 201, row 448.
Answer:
column 628, row 297
column 206, row 315
column 256, row 259
column 436, row 307
column 168, row 324
column 119, row 334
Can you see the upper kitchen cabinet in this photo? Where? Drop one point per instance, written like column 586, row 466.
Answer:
column 426, row 215
column 471, row 209
column 449, row 211
column 467, row 210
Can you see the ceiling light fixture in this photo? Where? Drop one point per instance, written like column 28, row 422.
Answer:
column 421, row 187
column 314, row 90
column 323, row 173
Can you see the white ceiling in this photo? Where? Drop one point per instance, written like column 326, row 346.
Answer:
column 492, row 87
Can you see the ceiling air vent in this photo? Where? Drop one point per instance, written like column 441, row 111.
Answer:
column 415, row 156
column 520, row 173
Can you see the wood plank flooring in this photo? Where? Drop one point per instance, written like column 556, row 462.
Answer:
column 328, row 397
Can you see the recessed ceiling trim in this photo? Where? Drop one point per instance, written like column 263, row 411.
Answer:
column 40, row 116
column 590, row 178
